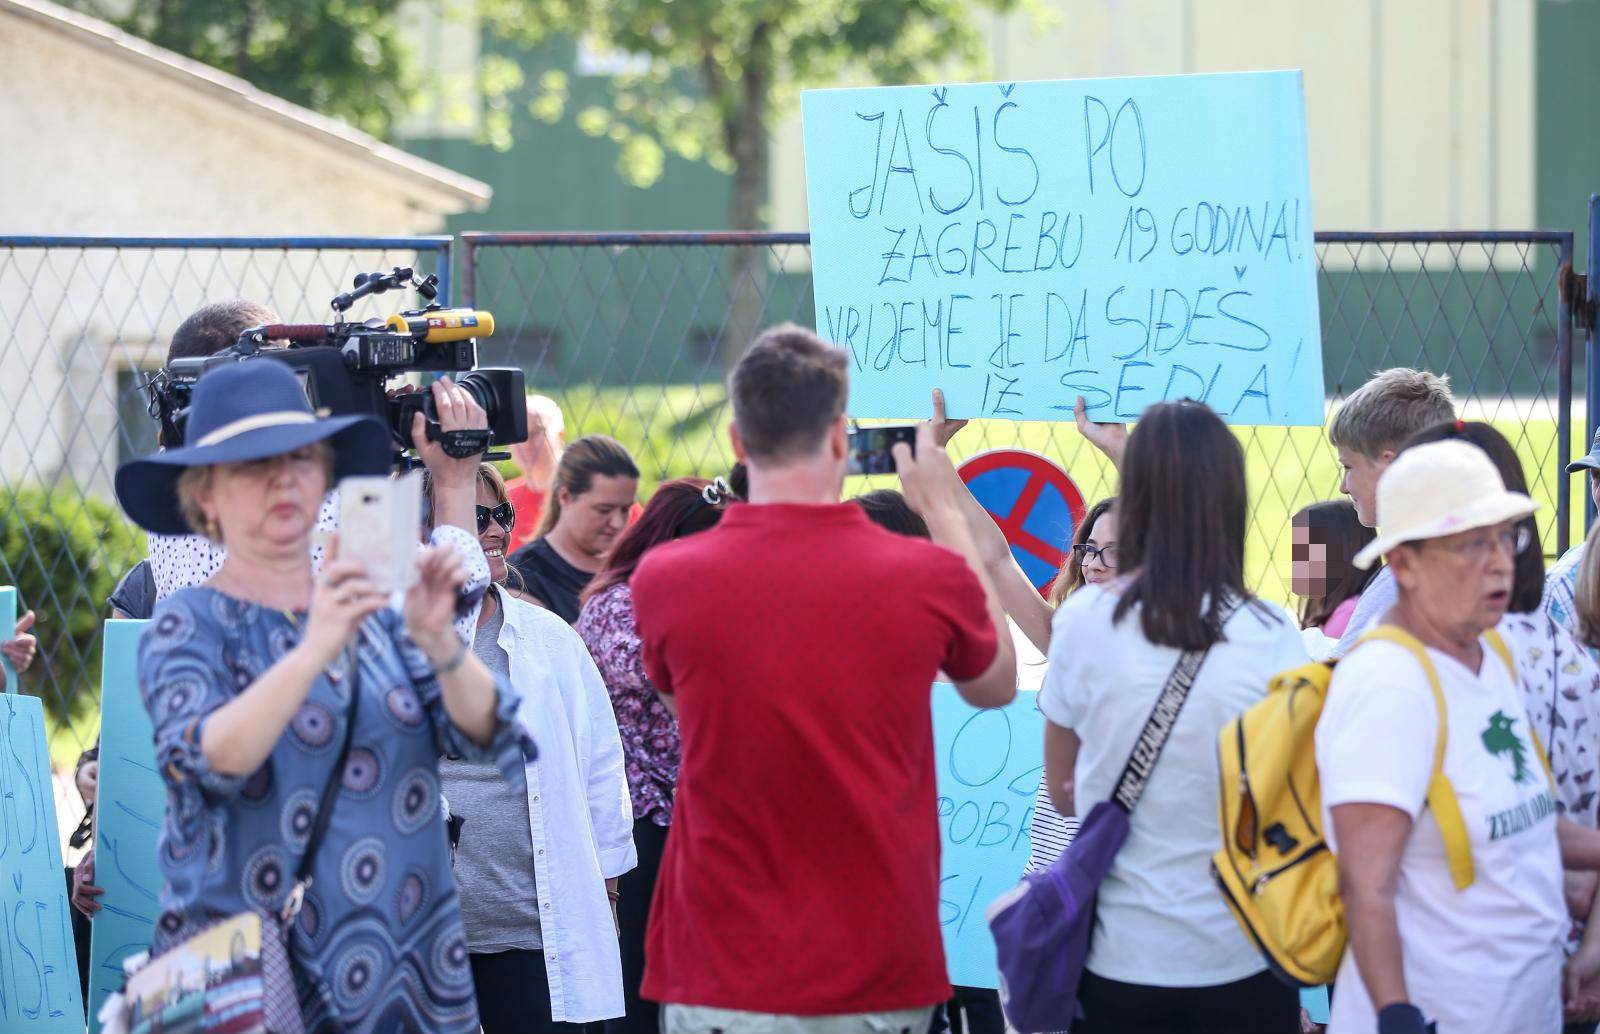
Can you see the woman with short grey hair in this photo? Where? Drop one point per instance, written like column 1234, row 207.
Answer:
column 1451, row 880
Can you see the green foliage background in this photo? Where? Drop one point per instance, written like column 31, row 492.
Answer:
column 65, row 554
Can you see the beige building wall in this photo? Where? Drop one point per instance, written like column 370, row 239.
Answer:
column 1420, row 113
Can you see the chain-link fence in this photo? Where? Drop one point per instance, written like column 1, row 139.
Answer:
column 82, row 322
column 627, row 332
column 631, row 334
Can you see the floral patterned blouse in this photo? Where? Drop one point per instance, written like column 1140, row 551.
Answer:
column 1561, row 688
column 650, row 744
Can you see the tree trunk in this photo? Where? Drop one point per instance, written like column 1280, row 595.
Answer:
column 745, row 131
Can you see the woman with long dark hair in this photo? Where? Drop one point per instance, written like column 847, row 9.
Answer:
column 1326, row 537
column 585, row 512
column 1166, row 954
column 650, row 742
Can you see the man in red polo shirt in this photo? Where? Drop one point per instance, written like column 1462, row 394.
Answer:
column 797, row 641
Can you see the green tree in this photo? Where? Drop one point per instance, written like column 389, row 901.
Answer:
column 721, row 72
column 340, row 57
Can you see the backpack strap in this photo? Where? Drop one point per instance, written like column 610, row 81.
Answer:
column 1153, row 737
column 1441, row 795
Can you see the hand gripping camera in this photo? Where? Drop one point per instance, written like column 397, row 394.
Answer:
column 345, row 367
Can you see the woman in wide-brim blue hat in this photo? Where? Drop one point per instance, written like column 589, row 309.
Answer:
column 250, row 687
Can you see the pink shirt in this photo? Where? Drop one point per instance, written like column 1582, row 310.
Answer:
column 1339, row 620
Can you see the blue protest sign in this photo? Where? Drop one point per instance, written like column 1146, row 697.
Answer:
column 1314, row 1000
column 988, row 766
column 8, row 621
column 1021, row 244
column 38, row 965
column 128, row 815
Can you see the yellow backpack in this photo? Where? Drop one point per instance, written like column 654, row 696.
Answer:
column 1275, row 869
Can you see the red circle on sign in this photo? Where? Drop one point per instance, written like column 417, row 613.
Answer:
column 1040, row 473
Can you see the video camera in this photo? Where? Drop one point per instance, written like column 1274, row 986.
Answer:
column 345, row 367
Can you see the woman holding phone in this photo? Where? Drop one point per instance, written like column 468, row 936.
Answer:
column 273, row 690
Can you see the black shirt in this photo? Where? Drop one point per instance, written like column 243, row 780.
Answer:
column 135, row 595
column 550, row 579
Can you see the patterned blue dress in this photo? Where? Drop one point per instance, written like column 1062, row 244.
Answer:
column 378, row 945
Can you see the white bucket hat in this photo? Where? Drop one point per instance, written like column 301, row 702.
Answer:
column 1438, row 489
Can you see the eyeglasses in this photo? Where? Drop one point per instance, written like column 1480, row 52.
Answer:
column 504, row 515
column 1515, row 540
column 1085, row 552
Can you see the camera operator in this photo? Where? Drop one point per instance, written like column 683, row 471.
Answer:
column 822, row 914
column 183, row 561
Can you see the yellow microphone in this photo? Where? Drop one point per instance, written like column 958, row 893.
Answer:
column 444, row 325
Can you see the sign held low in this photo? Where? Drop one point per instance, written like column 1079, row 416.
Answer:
column 1022, row 244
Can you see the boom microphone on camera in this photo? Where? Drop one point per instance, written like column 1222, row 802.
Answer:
column 345, row 367
column 442, row 325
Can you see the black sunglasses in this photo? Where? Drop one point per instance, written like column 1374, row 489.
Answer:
column 504, row 515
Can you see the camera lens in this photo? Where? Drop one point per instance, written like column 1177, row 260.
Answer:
column 482, row 392
column 499, row 391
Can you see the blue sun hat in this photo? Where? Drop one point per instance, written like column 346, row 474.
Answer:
column 241, row 412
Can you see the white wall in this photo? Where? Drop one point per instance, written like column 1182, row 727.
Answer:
column 94, row 145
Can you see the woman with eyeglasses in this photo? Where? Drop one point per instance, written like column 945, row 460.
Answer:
column 1560, row 686
column 1092, row 560
column 538, row 858
column 1436, row 939
column 650, row 741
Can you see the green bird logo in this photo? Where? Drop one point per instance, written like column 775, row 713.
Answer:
column 1499, row 739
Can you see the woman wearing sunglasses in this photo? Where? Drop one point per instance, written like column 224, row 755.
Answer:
column 538, row 859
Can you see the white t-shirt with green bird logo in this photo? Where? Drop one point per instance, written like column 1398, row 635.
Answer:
column 1489, row 957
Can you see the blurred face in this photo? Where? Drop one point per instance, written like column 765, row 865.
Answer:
column 1360, row 482
column 1594, row 487
column 268, row 505
column 1099, row 562
column 1308, row 567
column 592, row 521
column 494, row 537
column 1461, row 583
column 539, row 454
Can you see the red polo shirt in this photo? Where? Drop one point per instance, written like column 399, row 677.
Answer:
column 801, row 875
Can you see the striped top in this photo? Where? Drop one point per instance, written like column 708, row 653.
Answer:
column 1050, row 831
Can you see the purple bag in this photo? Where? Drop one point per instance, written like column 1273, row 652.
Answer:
column 1042, row 927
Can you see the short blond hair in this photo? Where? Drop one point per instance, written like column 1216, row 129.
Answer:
column 1587, row 591
column 191, row 483
column 1395, row 404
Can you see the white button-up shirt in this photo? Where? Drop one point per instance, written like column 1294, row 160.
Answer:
column 579, row 811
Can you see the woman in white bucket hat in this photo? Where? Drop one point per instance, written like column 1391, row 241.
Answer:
column 1452, row 881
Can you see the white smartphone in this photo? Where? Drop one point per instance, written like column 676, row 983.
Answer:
column 380, row 522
